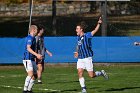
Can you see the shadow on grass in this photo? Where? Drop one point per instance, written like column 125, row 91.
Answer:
column 121, row 89
column 69, row 90
column 63, row 82
column 66, row 81
column 63, row 91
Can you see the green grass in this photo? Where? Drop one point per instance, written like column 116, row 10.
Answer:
column 63, row 79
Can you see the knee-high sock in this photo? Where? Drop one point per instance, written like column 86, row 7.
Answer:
column 31, row 85
column 27, row 82
column 82, row 82
column 98, row 73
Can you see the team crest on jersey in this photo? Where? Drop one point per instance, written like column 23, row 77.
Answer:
column 29, row 40
column 80, row 41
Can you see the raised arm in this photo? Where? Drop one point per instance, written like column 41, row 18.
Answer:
column 97, row 27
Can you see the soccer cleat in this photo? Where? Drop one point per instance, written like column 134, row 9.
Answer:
column 25, row 92
column 84, row 91
column 104, row 74
column 39, row 82
column 29, row 92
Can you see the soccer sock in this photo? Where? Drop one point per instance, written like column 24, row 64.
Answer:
column 82, row 82
column 98, row 73
column 27, row 81
column 31, row 85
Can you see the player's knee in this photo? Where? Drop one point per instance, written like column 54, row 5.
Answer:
column 91, row 75
column 80, row 74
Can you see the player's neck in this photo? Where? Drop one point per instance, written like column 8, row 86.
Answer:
column 39, row 35
column 31, row 34
column 82, row 33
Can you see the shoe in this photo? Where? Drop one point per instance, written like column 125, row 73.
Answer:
column 84, row 91
column 39, row 82
column 104, row 74
column 25, row 92
column 29, row 92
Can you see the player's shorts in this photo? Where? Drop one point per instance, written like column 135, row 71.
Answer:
column 85, row 63
column 40, row 62
column 30, row 66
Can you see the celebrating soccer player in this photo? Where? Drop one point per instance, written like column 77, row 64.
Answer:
column 29, row 59
column 84, row 53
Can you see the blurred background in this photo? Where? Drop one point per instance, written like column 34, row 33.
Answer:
column 61, row 16
column 114, row 42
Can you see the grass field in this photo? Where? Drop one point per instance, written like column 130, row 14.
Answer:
column 124, row 78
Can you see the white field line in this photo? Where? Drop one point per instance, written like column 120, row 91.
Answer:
column 12, row 76
column 5, row 86
column 2, row 76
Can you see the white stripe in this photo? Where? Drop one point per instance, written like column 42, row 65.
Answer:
column 21, row 88
column 5, row 86
column 2, row 76
column 12, row 76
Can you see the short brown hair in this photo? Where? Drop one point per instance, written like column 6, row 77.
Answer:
column 82, row 25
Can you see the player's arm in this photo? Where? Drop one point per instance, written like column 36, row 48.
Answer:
column 76, row 52
column 48, row 52
column 97, row 27
column 34, row 53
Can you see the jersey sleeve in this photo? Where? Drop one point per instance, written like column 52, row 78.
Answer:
column 29, row 41
column 89, row 35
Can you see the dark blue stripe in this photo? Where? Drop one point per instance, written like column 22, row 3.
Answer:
column 85, row 49
column 89, row 48
column 86, row 45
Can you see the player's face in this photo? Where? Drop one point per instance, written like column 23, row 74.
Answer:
column 78, row 30
column 41, row 32
column 35, row 32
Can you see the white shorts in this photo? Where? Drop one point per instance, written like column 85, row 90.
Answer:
column 30, row 66
column 85, row 63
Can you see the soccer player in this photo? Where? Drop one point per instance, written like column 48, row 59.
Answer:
column 137, row 43
column 29, row 59
column 84, row 53
column 40, row 48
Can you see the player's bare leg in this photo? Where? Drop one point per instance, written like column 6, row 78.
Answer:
column 93, row 74
column 39, row 73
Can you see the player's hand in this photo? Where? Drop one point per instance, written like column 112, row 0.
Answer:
column 50, row 54
column 136, row 43
column 100, row 20
column 75, row 54
column 39, row 56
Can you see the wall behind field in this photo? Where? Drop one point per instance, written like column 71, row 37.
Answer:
column 106, row 49
column 42, row 9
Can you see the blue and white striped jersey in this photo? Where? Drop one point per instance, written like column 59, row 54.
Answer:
column 30, row 40
column 85, row 46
